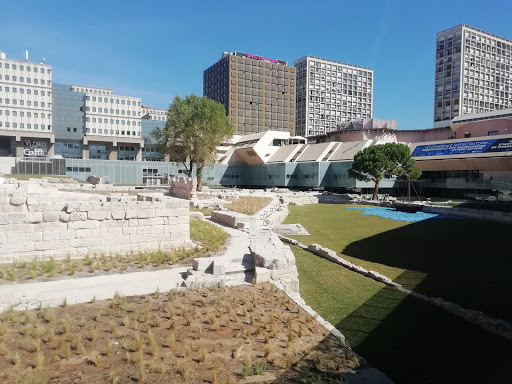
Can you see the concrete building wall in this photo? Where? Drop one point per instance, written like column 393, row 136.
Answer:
column 330, row 93
column 472, row 73
column 258, row 93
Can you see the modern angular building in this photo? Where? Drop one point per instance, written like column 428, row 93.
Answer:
column 257, row 92
column 331, row 94
column 25, row 108
column 473, row 73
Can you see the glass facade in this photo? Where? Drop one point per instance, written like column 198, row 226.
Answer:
column 68, row 121
column 150, row 150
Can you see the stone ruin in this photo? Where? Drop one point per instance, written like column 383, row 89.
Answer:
column 183, row 187
column 37, row 220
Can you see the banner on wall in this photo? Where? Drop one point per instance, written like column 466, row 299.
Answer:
column 464, row 147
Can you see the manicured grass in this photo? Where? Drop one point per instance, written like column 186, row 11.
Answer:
column 209, row 235
column 465, row 261
column 411, row 341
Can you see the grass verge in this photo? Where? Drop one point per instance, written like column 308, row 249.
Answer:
column 411, row 341
column 450, row 258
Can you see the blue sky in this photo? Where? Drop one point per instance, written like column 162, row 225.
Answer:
column 158, row 49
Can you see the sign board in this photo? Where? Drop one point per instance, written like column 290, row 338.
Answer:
column 262, row 58
column 464, row 147
column 35, row 148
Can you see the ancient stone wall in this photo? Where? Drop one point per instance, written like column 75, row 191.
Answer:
column 233, row 219
column 273, row 261
column 50, row 223
column 183, row 187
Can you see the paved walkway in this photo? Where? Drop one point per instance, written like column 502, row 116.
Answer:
column 81, row 290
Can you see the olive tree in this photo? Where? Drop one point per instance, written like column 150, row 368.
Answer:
column 195, row 127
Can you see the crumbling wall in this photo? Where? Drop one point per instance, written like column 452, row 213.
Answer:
column 273, row 261
column 57, row 224
column 183, row 187
column 233, row 219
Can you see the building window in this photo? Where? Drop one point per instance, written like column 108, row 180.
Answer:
column 493, row 133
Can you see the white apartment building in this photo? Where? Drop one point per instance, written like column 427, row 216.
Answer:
column 473, row 73
column 112, row 125
column 25, row 108
column 330, row 93
column 107, row 114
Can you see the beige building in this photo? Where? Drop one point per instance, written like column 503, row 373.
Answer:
column 257, row 92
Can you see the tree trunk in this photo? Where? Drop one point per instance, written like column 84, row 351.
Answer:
column 376, row 189
column 199, row 174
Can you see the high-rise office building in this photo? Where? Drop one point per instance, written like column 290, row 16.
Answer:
column 257, row 92
column 330, row 94
column 472, row 73
column 25, row 108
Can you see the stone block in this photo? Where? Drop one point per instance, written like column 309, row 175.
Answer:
column 155, row 229
column 63, row 217
column 218, row 268
column 18, row 200
column 84, row 233
column 131, row 214
column 15, row 238
column 33, row 217
column 118, row 214
column 78, row 216
column 51, row 245
column 114, row 232
column 203, row 264
column 24, row 246
column 67, row 235
column 145, row 213
column 262, row 275
column 4, row 218
column 49, row 217
column 48, row 236
column 44, row 207
column 16, row 218
column 90, row 224
column 43, row 227
column 13, row 228
column 96, row 215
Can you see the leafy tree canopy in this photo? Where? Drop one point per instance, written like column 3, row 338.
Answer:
column 374, row 163
column 195, row 127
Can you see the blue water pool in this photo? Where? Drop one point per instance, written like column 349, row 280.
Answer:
column 393, row 214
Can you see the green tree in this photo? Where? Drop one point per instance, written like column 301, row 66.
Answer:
column 195, row 127
column 379, row 161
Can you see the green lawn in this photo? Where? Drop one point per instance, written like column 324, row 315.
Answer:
column 411, row 341
column 465, row 261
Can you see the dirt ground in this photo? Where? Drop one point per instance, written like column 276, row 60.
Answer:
column 219, row 335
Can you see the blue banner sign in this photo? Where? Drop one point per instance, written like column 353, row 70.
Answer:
column 464, row 148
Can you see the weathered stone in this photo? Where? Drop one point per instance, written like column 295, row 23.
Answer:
column 18, row 200
column 51, row 216
column 78, row 216
column 96, row 215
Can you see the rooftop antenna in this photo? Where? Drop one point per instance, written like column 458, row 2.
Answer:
column 26, row 54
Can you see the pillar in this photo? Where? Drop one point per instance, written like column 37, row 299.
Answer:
column 112, row 152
